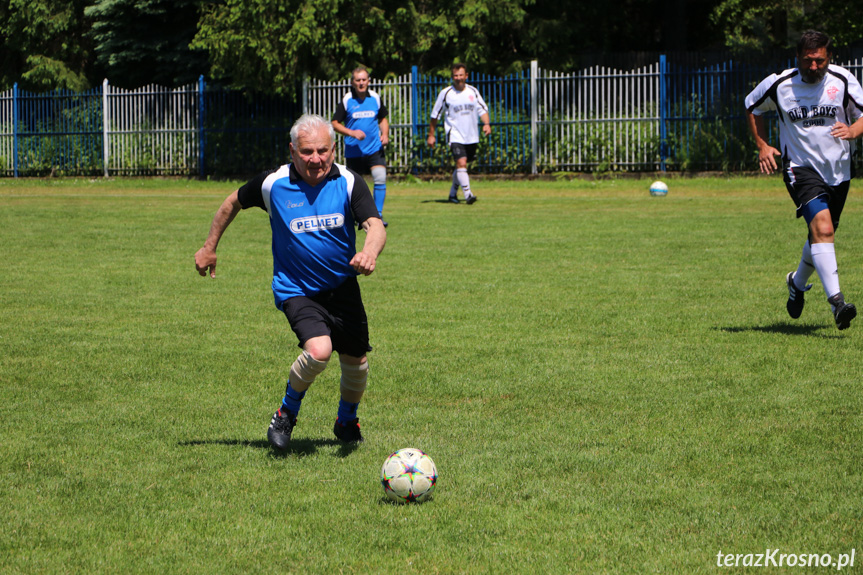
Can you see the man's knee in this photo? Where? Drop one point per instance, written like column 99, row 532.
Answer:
column 320, row 348
column 821, row 228
column 379, row 175
column 355, row 376
column 304, row 371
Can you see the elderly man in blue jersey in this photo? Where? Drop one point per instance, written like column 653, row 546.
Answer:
column 314, row 206
column 361, row 117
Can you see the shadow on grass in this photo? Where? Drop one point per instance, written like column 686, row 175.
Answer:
column 298, row 446
column 387, row 501
column 438, row 202
column 784, row 328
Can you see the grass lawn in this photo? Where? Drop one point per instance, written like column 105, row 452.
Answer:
column 608, row 383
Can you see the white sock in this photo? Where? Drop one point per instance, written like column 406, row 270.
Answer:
column 453, row 191
column 464, row 181
column 824, row 260
column 805, row 269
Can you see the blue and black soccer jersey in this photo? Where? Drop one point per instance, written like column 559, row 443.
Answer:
column 361, row 114
column 314, row 235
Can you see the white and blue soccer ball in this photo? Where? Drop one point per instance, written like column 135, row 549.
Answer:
column 658, row 188
column 409, row 476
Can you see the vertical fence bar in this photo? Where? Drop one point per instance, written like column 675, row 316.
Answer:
column 15, row 130
column 202, row 133
column 663, row 113
column 534, row 114
column 106, row 143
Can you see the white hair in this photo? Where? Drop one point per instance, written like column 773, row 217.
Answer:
column 309, row 123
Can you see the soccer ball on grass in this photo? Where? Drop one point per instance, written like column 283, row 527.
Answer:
column 409, row 475
column 658, row 188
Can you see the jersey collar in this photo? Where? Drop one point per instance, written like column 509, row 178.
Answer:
column 295, row 176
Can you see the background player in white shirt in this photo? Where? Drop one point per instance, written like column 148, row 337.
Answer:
column 820, row 108
column 460, row 105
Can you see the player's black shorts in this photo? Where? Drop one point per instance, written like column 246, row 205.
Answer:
column 364, row 164
column 804, row 185
column 463, row 151
column 337, row 313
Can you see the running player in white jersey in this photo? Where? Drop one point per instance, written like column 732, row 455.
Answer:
column 460, row 105
column 314, row 206
column 820, row 107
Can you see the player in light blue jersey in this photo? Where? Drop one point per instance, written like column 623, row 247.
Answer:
column 314, row 207
column 361, row 117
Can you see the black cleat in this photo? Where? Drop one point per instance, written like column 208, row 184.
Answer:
column 281, row 427
column 795, row 296
column 470, row 200
column 453, row 200
column 843, row 312
column 348, row 432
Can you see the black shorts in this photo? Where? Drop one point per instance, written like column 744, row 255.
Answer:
column 364, row 164
column 337, row 313
column 804, row 185
column 463, row 151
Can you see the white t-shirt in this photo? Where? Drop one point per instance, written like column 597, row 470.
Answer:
column 807, row 112
column 460, row 111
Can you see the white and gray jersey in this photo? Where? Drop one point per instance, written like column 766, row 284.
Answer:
column 807, row 112
column 460, row 111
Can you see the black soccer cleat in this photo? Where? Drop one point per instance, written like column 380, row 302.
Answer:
column 281, row 427
column 470, row 200
column 453, row 200
column 795, row 296
column 843, row 312
column 348, row 432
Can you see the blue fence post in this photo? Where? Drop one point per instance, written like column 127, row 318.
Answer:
column 663, row 112
column 15, row 129
column 202, row 138
column 414, row 101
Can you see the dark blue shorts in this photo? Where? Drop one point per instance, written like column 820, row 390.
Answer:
column 337, row 313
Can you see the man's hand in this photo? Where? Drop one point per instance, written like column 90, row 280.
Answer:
column 358, row 135
column 766, row 160
column 431, row 140
column 364, row 263
column 843, row 131
column 205, row 260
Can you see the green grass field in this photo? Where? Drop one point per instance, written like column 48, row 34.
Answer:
column 608, row 383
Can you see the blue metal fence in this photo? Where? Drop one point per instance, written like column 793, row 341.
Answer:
column 663, row 116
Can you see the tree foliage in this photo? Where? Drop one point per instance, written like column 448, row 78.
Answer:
column 42, row 44
column 269, row 45
column 757, row 25
column 140, row 42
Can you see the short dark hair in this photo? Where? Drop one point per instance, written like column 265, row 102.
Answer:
column 458, row 66
column 814, row 40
